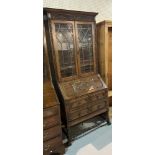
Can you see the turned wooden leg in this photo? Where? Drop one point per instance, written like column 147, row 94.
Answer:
column 69, row 142
column 69, row 137
column 108, row 118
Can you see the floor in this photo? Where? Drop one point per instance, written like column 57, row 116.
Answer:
column 98, row 142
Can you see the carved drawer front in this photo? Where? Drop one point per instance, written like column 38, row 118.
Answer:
column 51, row 121
column 77, row 105
column 78, row 102
column 78, row 114
column 51, row 132
column 51, row 145
column 98, row 95
column 87, row 109
column 88, row 101
column 79, row 108
column 99, row 106
column 102, row 103
column 51, row 111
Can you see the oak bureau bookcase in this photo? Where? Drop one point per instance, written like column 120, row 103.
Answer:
column 82, row 92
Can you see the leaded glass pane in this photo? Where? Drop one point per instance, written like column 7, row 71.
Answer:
column 85, row 39
column 65, row 44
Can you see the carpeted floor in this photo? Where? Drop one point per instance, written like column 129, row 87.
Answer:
column 98, row 142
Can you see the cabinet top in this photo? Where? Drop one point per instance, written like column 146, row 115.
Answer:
column 61, row 14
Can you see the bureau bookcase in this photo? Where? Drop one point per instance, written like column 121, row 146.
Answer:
column 82, row 92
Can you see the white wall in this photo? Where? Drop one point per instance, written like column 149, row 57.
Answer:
column 103, row 7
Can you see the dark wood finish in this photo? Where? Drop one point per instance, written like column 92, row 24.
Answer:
column 52, row 144
column 110, row 100
column 52, row 132
column 82, row 92
column 60, row 14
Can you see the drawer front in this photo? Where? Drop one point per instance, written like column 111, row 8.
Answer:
column 51, row 132
column 74, row 104
column 52, row 144
column 99, row 95
column 88, row 104
column 78, row 102
column 51, row 111
column 101, row 105
column 78, row 114
column 51, row 121
column 85, row 110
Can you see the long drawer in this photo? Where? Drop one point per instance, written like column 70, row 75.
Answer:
column 51, row 132
column 88, row 109
column 90, row 98
column 52, row 144
column 51, row 121
column 88, row 105
column 51, row 111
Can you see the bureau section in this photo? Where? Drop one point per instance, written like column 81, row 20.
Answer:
column 87, row 109
column 87, row 106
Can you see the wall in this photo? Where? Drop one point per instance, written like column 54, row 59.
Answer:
column 103, row 7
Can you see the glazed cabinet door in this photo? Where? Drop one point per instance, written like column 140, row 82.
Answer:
column 85, row 37
column 64, row 46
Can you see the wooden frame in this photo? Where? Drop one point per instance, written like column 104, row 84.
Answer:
column 102, row 35
column 86, row 89
column 56, row 53
column 78, row 52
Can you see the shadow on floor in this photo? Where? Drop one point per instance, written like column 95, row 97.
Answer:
column 98, row 138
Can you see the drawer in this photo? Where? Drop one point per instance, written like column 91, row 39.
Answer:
column 51, row 121
column 79, row 108
column 51, row 132
column 99, row 95
column 87, row 104
column 83, row 102
column 78, row 114
column 51, row 111
column 85, row 110
column 98, row 106
column 103, row 103
column 77, row 102
column 52, row 144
